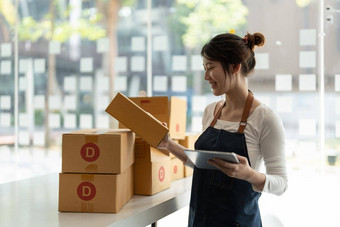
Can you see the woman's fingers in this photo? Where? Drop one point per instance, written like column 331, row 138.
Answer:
column 231, row 169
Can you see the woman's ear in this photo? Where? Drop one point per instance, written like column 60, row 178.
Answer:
column 236, row 68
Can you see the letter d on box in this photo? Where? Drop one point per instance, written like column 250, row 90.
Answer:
column 90, row 152
column 86, row 191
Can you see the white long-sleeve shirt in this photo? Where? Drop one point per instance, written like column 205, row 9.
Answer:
column 265, row 138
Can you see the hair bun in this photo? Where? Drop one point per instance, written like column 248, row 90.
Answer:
column 256, row 39
column 259, row 39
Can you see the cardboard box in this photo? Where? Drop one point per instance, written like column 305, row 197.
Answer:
column 106, row 193
column 172, row 112
column 152, row 177
column 189, row 141
column 177, row 169
column 187, row 171
column 136, row 119
column 144, row 152
column 168, row 153
column 152, row 169
column 97, row 151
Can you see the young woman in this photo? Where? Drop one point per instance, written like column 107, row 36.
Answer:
column 240, row 124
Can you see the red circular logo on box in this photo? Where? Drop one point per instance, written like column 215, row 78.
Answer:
column 161, row 174
column 86, row 191
column 177, row 127
column 90, row 152
column 175, row 169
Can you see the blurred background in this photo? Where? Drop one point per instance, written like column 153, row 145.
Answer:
column 61, row 61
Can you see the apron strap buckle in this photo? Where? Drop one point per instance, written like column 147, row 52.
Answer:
column 243, row 123
column 242, row 126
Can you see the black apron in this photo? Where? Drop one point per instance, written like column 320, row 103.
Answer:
column 216, row 199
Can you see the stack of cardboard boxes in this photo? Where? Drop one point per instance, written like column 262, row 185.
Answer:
column 144, row 116
column 97, row 170
column 152, row 169
column 155, row 169
column 102, row 169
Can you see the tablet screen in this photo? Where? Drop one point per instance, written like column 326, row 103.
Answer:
column 200, row 157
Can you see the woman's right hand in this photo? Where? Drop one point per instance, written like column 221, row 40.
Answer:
column 176, row 149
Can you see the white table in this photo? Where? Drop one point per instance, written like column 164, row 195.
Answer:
column 34, row 202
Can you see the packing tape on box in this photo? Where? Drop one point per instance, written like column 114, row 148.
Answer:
column 91, row 138
column 92, row 168
column 88, row 207
column 94, row 137
column 87, row 177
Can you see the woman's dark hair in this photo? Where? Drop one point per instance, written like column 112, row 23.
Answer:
column 230, row 49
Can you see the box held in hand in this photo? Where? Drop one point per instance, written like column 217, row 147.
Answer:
column 172, row 112
column 138, row 120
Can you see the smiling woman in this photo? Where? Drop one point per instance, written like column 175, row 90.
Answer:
column 239, row 124
column 63, row 61
column 221, row 59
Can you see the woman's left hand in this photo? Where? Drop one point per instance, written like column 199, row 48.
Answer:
column 240, row 170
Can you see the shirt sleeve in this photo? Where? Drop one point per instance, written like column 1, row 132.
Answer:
column 272, row 146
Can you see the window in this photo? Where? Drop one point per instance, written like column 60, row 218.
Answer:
column 62, row 62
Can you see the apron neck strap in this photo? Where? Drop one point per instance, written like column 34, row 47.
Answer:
column 245, row 114
column 220, row 106
column 246, row 110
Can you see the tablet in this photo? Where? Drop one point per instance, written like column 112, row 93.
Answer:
column 200, row 157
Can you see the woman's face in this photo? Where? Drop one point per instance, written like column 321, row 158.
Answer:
column 216, row 76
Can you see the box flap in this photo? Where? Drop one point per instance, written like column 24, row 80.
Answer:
column 189, row 140
column 98, row 131
column 157, row 155
column 146, row 153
